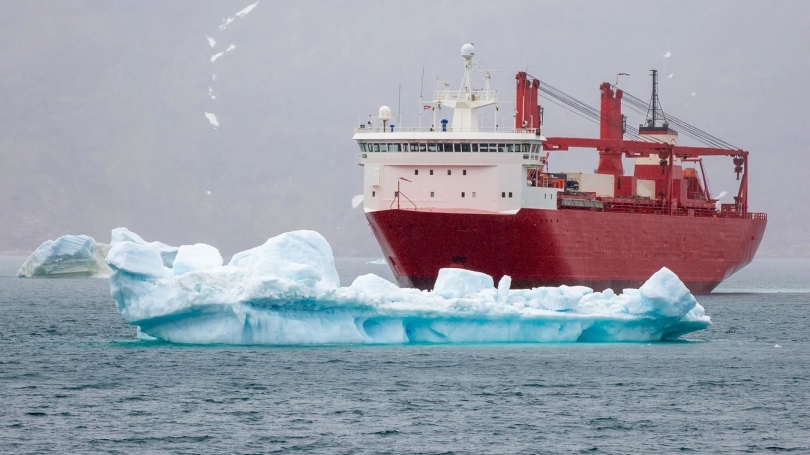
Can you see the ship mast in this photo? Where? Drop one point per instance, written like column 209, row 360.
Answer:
column 466, row 100
column 655, row 112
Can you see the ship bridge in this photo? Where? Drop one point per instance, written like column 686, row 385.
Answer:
column 458, row 165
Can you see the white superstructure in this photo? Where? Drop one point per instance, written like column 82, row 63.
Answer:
column 453, row 165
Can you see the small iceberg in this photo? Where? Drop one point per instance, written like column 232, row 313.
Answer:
column 287, row 291
column 80, row 256
column 69, row 256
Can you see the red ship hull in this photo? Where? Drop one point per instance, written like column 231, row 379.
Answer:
column 572, row 247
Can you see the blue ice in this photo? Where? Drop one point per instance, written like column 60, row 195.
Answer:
column 287, row 291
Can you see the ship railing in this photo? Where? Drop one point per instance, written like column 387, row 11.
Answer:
column 479, row 94
column 363, row 129
column 660, row 209
column 647, row 209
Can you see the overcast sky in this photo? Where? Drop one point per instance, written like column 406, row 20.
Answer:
column 102, row 104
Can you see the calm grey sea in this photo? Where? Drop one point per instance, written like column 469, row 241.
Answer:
column 74, row 379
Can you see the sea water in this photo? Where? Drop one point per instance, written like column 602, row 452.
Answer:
column 74, row 378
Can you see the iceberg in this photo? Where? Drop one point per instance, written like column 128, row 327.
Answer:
column 80, row 256
column 287, row 292
column 121, row 234
column 68, row 256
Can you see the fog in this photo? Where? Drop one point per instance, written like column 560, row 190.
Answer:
column 103, row 104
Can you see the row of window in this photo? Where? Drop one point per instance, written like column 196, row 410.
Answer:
column 449, row 172
column 433, row 194
column 447, row 147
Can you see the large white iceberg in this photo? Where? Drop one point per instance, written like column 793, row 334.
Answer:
column 287, row 291
column 80, row 256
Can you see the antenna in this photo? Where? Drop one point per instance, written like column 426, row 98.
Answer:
column 399, row 97
column 655, row 113
column 617, row 78
column 421, row 98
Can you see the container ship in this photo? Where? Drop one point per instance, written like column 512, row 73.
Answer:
column 459, row 194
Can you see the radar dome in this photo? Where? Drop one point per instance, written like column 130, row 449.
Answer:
column 385, row 113
column 467, row 51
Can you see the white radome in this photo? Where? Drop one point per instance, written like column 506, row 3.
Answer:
column 467, row 51
column 385, row 113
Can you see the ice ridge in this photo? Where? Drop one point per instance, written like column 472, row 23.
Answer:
column 287, row 291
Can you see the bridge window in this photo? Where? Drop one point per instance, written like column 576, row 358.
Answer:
column 465, row 147
column 376, row 147
column 493, row 147
column 414, row 147
column 383, row 147
column 362, row 147
column 510, row 148
column 448, row 147
column 456, row 147
column 422, row 147
column 431, row 147
column 394, row 147
column 501, row 148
